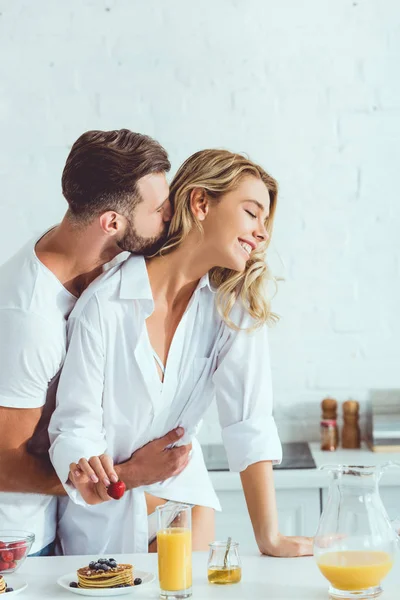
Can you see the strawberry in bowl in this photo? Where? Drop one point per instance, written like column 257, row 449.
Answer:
column 14, row 548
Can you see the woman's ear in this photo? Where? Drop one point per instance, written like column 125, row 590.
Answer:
column 199, row 203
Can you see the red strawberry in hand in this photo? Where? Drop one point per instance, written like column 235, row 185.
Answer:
column 116, row 490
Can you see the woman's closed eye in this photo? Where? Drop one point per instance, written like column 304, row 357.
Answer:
column 251, row 214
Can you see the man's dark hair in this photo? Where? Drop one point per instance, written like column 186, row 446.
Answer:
column 103, row 168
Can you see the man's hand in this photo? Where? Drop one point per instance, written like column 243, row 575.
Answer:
column 156, row 461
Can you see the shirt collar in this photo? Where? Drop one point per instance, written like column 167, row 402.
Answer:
column 205, row 282
column 135, row 284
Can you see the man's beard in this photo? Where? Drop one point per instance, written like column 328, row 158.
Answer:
column 136, row 244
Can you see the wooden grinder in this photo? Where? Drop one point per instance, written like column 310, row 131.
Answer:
column 351, row 437
column 329, row 429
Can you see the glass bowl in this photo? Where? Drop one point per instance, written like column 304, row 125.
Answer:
column 14, row 548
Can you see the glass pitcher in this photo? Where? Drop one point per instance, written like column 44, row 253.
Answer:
column 355, row 542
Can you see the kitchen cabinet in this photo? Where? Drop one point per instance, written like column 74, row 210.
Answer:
column 298, row 512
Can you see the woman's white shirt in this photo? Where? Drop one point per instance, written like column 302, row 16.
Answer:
column 110, row 400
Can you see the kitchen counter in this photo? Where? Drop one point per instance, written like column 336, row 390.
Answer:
column 314, row 478
column 263, row 577
column 301, row 494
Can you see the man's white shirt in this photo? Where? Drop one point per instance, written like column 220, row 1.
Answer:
column 110, row 400
column 34, row 307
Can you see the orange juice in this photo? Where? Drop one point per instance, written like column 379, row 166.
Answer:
column 174, row 547
column 355, row 570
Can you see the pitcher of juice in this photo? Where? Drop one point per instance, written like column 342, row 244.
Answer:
column 355, row 543
column 174, row 548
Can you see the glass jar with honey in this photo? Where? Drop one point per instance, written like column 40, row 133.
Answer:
column 224, row 563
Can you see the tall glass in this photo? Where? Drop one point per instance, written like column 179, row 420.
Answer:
column 355, row 543
column 174, row 547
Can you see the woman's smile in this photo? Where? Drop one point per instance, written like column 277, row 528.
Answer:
column 247, row 246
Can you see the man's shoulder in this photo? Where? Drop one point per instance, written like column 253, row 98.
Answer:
column 18, row 269
column 99, row 292
column 27, row 285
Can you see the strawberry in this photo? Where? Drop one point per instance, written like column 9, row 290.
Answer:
column 3, row 566
column 7, row 556
column 3, row 545
column 116, row 490
column 18, row 550
column 12, row 565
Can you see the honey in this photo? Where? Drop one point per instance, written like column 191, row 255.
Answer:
column 224, row 575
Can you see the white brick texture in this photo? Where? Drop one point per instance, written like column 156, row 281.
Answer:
column 309, row 89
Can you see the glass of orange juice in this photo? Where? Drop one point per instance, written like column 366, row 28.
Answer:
column 174, row 547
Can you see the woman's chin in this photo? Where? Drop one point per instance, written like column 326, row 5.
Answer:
column 236, row 265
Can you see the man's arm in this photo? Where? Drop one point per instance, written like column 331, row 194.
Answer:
column 19, row 470
column 31, row 352
column 154, row 462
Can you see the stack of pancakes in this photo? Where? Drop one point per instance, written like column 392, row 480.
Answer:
column 2, row 585
column 120, row 576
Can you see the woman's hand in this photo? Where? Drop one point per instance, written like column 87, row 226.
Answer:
column 288, row 546
column 92, row 477
column 259, row 490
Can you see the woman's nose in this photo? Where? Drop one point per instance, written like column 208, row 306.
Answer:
column 262, row 234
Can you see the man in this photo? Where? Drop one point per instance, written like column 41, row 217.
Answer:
column 117, row 194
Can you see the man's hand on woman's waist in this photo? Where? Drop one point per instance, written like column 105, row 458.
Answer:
column 156, row 461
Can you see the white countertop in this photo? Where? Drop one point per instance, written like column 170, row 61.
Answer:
column 262, row 577
column 314, row 478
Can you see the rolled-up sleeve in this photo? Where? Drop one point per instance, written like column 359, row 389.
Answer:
column 244, row 398
column 76, row 427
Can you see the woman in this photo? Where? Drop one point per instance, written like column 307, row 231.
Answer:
column 160, row 339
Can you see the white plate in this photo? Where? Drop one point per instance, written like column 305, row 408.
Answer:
column 16, row 583
column 65, row 580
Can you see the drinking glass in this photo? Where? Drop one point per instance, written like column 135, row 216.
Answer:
column 174, row 547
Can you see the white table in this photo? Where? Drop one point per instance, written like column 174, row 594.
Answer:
column 263, row 577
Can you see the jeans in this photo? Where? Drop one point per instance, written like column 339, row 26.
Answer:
column 46, row 551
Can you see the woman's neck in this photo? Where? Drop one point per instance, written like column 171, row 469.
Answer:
column 175, row 276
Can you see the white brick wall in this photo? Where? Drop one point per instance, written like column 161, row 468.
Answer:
column 310, row 89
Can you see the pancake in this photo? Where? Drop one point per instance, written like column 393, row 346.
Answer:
column 119, row 576
column 2, row 585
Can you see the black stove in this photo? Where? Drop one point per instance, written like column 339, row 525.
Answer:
column 296, row 455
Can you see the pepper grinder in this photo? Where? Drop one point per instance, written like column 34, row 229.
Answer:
column 351, row 437
column 329, row 429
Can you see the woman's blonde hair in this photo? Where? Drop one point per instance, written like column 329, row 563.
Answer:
column 219, row 172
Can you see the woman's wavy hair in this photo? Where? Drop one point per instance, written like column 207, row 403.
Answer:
column 219, row 172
